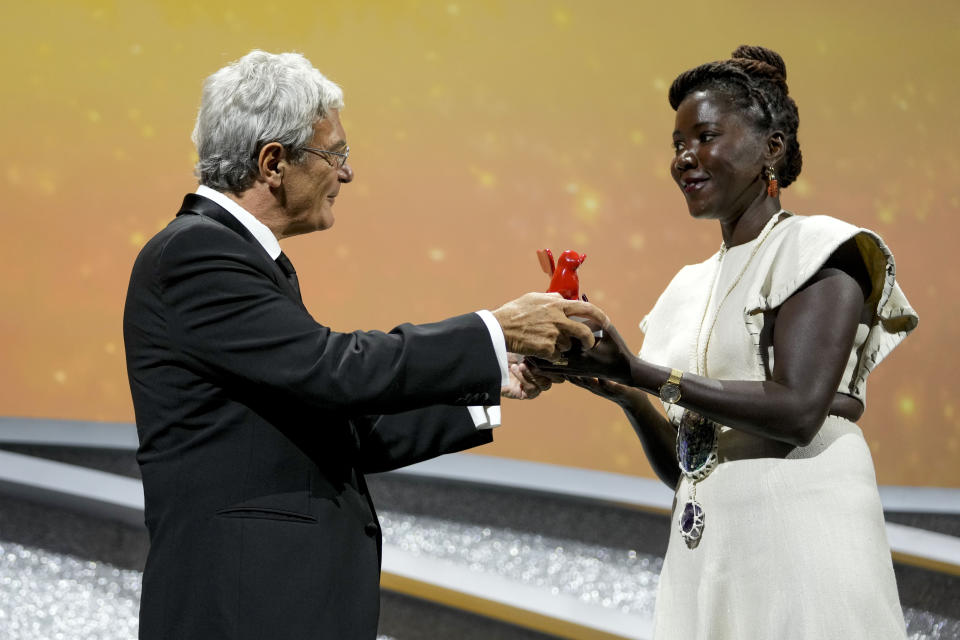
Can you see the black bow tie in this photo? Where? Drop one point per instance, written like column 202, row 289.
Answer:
column 287, row 267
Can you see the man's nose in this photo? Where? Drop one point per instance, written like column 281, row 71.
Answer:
column 345, row 173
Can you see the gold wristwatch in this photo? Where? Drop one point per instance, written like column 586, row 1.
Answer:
column 670, row 390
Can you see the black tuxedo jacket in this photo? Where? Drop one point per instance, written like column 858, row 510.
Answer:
column 256, row 425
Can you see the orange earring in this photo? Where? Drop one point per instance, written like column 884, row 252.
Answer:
column 773, row 190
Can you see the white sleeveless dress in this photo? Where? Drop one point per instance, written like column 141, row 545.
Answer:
column 794, row 544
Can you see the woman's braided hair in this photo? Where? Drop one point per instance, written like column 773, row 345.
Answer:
column 755, row 79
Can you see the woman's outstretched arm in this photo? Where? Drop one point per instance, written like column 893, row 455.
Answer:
column 813, row 335
column 657, row 436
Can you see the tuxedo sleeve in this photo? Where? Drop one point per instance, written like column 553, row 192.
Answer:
column 389, row 442
column 229, row 317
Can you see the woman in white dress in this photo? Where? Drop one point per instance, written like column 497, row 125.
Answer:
column 760, row 356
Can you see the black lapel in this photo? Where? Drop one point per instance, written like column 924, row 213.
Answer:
column 198, row 205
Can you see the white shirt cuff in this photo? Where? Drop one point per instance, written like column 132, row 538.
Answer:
column 488, row 417
column 485, row 417
column 499, row 344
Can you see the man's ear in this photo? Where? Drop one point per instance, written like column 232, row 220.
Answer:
column 272, row 162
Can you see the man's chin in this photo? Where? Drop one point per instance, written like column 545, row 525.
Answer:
column 324, row 220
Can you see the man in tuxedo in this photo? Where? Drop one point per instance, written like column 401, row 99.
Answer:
column 257, row 423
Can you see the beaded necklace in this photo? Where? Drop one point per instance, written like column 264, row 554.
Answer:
column 697, row 436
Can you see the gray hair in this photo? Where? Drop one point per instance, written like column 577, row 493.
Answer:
column 260, row 98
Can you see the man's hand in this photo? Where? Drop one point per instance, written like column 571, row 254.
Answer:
column 525, row 382
column 536, row 324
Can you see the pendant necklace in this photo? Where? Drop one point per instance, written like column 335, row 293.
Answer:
column 697, row 436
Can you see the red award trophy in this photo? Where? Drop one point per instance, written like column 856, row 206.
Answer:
column 564, row 274
column 563, row 277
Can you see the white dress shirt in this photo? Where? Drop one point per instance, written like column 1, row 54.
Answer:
column 483, row 417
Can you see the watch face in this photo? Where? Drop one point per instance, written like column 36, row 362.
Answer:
column 670, row 392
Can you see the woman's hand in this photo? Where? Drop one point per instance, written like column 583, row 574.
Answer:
column 609, row 359
column 621, row 394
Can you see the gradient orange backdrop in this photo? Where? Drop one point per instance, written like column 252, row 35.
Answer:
column 479, row 133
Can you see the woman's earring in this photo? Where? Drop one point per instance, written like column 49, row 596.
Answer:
column 773, row 190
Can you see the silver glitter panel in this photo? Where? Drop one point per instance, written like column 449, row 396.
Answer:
column 50, row 596
column 613, row 578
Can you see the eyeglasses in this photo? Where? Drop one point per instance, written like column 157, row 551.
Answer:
column 340, row 156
